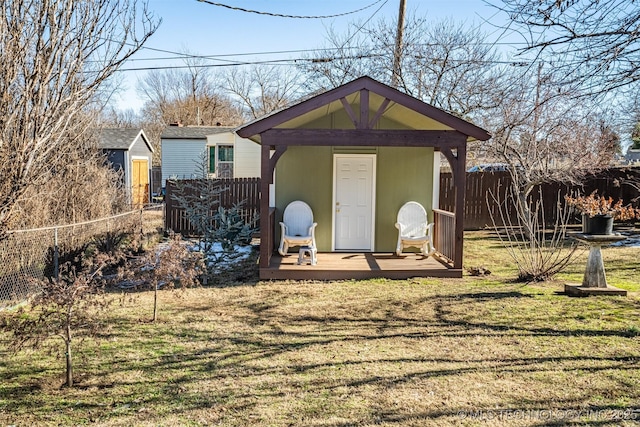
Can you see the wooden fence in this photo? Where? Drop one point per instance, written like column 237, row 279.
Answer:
column 244, row 191
column 480, row 205
column 486, row 194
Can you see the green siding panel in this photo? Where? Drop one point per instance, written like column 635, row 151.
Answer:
column 402, row 174
column 305, row 173
column 341, row 120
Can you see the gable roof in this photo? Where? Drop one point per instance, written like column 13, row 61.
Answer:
column 121, row 138
column 193, row 132
column 395, row 105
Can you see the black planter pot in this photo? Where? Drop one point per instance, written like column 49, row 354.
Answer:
column 598, row 224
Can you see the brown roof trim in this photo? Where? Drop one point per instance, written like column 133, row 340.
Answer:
column 365, row 82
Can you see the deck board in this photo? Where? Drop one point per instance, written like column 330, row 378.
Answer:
column 343, row 265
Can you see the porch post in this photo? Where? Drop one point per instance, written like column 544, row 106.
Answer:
column 266, row 233
column 458, row 163
column 460, row 183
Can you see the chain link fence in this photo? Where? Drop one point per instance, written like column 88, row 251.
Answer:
column 28, row 256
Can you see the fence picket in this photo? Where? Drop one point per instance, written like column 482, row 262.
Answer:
column 239, row 190
column 477, row 211
column 479, row 185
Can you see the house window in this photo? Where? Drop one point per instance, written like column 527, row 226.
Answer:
column 225, row 153
column 221, row 161
column 225, row 161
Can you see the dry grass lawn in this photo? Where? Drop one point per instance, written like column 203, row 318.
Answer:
column 471, row 351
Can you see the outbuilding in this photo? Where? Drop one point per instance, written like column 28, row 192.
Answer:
column 355, row 154
column 130, row 151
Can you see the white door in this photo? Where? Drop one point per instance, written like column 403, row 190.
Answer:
column 354, row 200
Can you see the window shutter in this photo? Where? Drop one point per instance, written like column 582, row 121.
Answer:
column 212, row 159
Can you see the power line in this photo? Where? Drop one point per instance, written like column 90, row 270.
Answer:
column 297, row 61
column 179, row 55
column 218, row 57
column 363, row 24
column 229, row 64
column 278, row 15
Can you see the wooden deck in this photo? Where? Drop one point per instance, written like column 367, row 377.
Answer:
column 343, row 265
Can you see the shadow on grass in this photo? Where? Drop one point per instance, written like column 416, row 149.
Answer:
column 267, row 358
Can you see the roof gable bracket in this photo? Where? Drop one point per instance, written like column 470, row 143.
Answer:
column 457, row 160
column 363, row 122
column 350, row 112
column 279, row 151
column 451, row 155
column 379, row 113
column 364, row 110
column 368, row 90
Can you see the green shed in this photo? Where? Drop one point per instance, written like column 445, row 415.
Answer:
column 355, row 154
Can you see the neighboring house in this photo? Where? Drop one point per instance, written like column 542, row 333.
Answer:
column 632, row 157
column 187, row 150
column 130, row 151
column 356, row 154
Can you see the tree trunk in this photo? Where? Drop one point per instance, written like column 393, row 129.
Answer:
column 68, row 357
column 525, row 214
column 155, row 303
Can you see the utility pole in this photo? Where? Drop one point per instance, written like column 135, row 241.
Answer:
column 397, row 54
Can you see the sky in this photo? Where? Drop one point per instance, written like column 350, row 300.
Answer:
column 231, row 35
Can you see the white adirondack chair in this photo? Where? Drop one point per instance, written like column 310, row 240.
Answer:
column 297, row 226
column 414, row 230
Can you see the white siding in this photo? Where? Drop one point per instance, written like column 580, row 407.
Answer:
column 246, row 158
column 224, row 138
column 246, row 153
column 181, row 157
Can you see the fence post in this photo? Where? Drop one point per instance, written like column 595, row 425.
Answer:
column 56, row 253
column 141, row 226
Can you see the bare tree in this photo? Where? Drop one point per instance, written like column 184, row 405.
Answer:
column 546, row 135
column 262, row 89
column 114, row 117
column 171, row 265
column 343, row 57
column 69, row 307
column 191, row 97
column 57, row 58
column 543, row 135
column 446, row 64
column 594, row 42
column 451, row 67
column 539, row 251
